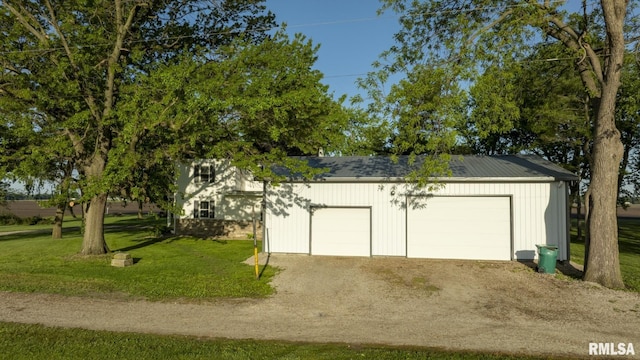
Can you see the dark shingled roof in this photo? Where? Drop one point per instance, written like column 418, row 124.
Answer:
column 463, row 168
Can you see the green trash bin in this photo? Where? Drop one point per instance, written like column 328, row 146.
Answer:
column 547, row 256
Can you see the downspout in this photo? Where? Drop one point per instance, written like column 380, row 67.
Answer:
column 171, row 216
column 174, row 217
column 264, row 216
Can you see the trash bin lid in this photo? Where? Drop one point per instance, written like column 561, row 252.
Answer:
column 550, row 247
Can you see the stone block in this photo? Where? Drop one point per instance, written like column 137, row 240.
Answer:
column 121, row 260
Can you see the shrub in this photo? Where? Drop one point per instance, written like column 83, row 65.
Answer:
column 10, row 219
column 161, row 230
column 37, row 220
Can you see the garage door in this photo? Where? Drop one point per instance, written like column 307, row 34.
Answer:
column 341, row 231
column 459, row 228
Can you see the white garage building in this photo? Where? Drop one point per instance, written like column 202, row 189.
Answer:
column 491, row 208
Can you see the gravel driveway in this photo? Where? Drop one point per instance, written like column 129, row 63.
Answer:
column 474, row 305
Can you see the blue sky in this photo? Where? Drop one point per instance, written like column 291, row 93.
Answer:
column 350, row 34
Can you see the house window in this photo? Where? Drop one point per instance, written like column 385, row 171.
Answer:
column 203, row 209
column 203, row 174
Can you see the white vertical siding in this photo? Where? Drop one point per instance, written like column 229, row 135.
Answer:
column 287, row 220
column 288, row 216
column 538, row 215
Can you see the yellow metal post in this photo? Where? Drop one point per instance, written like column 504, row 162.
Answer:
column 255, row 244
column 255, row 254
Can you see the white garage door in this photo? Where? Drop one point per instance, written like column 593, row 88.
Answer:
column 341, row 231
column 459, row 228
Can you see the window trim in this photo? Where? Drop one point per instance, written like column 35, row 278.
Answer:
column 199, row 173
column 198, row 210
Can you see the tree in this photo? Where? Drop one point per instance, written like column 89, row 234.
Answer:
column 65, row 65
column 422, row 112
column 366, row 134
column 23, row 160
column 553, row 122
column 467, row 35
column 253, row 105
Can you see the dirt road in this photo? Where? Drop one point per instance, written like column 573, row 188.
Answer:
column 494, row 306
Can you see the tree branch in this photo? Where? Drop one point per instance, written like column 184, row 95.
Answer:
column 77, row 142
column 122, row 29
column 572, row 43
column 502, row 16
column 54, row 22
column 40, row 35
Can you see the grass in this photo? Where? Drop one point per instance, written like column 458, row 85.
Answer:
column 166, row 268
column 19, row 341
column 629, row 246
column 74, row 223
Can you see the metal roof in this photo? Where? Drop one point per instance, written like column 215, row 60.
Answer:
column 463, row 168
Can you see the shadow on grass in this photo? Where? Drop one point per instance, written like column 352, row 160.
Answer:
column 141, row 244
column 126, row 225
column 571, row 270
column 112, row 220
column 564, row 267
column 25, row 234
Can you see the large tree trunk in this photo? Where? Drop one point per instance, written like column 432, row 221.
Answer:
column 603, row 263
column 56, row 232
column 602, row 256
column 93, row 242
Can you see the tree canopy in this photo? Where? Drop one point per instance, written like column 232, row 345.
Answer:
column 126, row 86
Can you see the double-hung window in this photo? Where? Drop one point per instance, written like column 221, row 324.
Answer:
column 203, row 174
column 203, row 209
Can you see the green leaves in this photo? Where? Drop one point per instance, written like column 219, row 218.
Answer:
column 70, row 71
column 68, row 87
column 495, row 101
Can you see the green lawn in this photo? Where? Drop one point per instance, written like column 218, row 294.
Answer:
column 68, row 222
column 71, row 222
column 18, row 341
column 166, row 268
column 629, row 245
